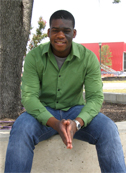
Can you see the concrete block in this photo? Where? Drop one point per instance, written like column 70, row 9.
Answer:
column 121, row 98
column 3, row 147
column 51, row 156
column 110, row 97
column 113, row 97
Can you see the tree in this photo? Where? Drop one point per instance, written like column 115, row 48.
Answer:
column 116, row 1
column 15, row 20
column 39, row 35
column 106, row 56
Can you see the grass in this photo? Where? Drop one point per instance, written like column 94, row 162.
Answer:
column 114, row 81
column 115, row 90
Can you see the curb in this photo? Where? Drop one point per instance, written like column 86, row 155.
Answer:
column 113, row 97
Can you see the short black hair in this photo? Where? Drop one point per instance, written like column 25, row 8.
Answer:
column 62, row 14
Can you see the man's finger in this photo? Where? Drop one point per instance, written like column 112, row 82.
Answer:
column 69, row 131
column 69, row 146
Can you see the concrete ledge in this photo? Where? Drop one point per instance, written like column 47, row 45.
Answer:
column 113, row 97
column 52, row 156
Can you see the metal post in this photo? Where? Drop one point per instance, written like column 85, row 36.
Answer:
column 100, row 52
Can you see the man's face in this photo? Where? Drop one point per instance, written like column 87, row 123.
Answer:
column 61, row 33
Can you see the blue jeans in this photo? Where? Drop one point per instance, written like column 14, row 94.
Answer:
column 28, row 132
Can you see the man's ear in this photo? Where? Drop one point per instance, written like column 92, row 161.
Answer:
column 48, row 32
column 74, row 33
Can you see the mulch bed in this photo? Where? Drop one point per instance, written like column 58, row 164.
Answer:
column 117, row 112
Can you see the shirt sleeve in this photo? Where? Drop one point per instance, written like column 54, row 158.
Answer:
column 93, row 89
column 30, row 89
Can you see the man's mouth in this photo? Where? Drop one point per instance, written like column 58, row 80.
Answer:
column 60, row 42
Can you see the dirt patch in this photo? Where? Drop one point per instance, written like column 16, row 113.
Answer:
column 117, row 112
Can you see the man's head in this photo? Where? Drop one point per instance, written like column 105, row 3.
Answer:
column 61, row 32
column 62, row 14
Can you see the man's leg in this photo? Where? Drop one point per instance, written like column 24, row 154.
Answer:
column 103, row 133
column 25, row 134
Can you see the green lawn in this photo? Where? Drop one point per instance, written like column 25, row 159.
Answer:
column 114, row 81
column 115, row 90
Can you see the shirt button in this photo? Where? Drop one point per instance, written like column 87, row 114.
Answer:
column 59, row 75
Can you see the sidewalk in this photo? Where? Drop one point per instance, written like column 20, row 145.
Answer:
column 114, row 97
column 114, row 85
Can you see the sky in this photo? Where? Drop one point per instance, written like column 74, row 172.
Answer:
column 95, row 20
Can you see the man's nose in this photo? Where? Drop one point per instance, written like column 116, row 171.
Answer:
column 61, row 34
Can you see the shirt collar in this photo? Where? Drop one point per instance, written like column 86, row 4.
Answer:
column 46, row 48
column 74, row 51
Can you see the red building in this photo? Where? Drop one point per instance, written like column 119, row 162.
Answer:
column 118, row 50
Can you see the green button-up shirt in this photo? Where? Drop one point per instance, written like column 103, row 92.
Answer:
column 43, row 84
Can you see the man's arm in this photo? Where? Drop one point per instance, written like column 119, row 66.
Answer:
column 30, row 89
column 93, row 89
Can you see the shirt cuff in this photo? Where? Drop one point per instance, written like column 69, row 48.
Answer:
column 85, row 117
column 43, row 117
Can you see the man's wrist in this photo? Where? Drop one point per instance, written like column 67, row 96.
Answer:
column 80, row 121
column 78, row 126
column 52, row 122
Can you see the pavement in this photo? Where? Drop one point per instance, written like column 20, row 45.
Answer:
column 114, row 85
column 114, row 97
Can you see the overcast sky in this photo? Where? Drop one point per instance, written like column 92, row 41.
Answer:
column 95, row 20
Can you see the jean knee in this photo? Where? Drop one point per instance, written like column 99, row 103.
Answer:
column 24, row 125
column 109, row 131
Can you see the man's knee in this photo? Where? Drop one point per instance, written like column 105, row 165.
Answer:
column 24, row 125
column 109, row 130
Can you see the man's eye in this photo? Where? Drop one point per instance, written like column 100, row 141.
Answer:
column 66, row 31
column 55, row 31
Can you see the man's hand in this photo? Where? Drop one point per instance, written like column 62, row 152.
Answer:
column 65, row 128
column 71, row 130
column 60, row 127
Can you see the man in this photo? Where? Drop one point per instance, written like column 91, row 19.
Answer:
column 52, row 93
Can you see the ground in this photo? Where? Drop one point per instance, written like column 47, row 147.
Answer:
column 117, row 112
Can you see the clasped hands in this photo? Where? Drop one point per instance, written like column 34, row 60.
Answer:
column 65, row 128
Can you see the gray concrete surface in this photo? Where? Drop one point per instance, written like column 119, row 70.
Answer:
column 51, row 156
column 113, row 97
